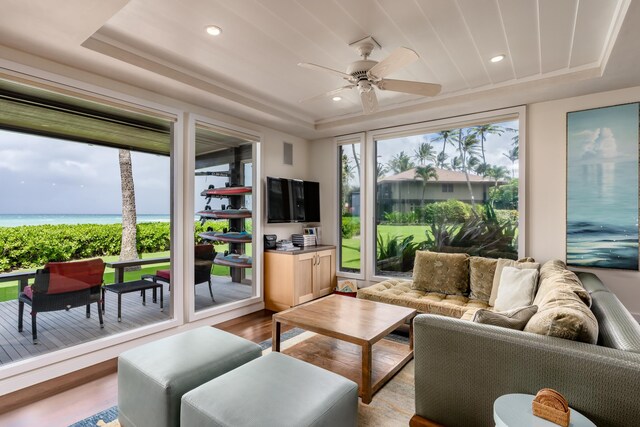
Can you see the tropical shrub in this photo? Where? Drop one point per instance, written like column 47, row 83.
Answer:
column 505, row 196
column 483, row 234
column 350, row 227
column 32, row 246
column 451, row 211
column 396, row 253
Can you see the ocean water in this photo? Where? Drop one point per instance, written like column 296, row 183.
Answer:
column 15, row 220
column 602, row 215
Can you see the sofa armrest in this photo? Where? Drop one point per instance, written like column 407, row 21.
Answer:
column 461, row 367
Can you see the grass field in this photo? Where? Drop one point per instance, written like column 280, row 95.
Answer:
column 9, row 290
column 351, row 250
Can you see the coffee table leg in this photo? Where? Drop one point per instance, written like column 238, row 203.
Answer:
column 119, row 307
column 366, row 373
column 275, row 336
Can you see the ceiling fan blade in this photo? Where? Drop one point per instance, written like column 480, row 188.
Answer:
column 399, row 58
column 407, row 86
column 325, row 69
column 327, row 94
column 369, row 101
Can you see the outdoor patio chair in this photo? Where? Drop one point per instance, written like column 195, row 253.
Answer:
column 204, row 255
column 62, row 286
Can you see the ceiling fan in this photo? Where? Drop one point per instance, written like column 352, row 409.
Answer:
column 366, row 74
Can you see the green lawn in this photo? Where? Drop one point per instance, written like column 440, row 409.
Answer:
column 9, row 290
column 351, row 247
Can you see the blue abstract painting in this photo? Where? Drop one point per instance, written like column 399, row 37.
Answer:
column 602, row 187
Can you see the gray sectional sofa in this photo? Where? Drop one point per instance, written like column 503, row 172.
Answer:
column 461, row 367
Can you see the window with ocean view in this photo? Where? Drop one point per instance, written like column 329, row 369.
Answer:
column 76, row 220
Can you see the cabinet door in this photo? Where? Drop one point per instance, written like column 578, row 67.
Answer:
column 325, row 273
column 304, row 274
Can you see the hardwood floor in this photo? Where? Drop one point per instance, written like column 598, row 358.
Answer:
column 67, row 406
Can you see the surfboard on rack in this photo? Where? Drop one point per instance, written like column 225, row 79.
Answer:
column 234, row 260
column 229, row 237
column 227, row 191
column 225, row 213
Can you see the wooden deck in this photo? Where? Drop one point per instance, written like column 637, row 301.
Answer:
column 62, row 329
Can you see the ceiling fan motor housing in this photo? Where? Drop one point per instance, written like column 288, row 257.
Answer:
column 358, row 69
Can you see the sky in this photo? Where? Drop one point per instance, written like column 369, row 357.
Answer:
column 495, row 146
column 53, row 176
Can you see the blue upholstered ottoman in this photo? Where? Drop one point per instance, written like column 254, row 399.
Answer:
column 273, row 391
column 153, row 377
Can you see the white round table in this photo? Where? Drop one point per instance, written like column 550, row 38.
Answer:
column 515, row 409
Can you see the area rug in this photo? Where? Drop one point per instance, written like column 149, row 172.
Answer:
column 392, row 406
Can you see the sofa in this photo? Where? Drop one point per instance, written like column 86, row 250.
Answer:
column 462, row 366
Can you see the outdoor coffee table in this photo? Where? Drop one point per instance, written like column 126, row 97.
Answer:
column 134, row 286
column 347, row 330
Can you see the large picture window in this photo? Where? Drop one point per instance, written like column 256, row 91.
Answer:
column 453, row 190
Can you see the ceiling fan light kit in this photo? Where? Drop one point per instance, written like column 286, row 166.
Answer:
column 365, row 74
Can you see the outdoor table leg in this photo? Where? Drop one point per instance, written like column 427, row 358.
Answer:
column 103, row 298
column 161, row 298
column 155, row 296
column 144, row 297
column 119, row 274
column 119, row 307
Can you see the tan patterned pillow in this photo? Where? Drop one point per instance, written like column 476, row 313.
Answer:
column 502, row 263
column 512, row 319
column 441, row 272
column 481, row 272
column 561, row 278
column 562, row 314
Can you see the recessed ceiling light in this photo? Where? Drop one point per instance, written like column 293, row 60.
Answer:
column 497, row 58
column 337, row 98
column 213, row 30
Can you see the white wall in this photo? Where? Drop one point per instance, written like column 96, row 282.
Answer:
column 323, row 167
column 546, row 193
column 273, row 165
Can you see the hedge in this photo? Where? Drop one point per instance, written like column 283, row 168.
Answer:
column 32, row 246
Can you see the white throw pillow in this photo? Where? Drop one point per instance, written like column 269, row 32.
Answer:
column 517, row 288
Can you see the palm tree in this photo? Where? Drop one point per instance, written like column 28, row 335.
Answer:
column 512, row 155
column 467, row 147
column 356, row 159
column 497, row 173
column 482, row 131
column 447, row 137
column 424, row 153
column 381, row 170
column 441, row 160
column 347, row 176
column 426, row 173
column 456, row 163
column 128, row 250
column 400, row 162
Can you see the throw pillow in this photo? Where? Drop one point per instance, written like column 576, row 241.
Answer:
column 512, row 319
column 517, row 288
column 562, row 314
column 441, row 272
column 502, row 263
column 481, row 275
column 558, row 279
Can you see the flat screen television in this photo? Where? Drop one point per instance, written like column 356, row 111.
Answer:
column 292, row 200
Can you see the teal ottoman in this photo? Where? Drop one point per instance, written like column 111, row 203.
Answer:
column 153, row 377
column 273, row 391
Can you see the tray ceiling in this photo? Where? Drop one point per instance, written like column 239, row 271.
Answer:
column 253, row 63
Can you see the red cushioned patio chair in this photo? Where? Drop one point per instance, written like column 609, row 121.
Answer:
column 204, row 255
column 62, row 286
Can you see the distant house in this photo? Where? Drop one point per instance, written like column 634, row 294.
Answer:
column 403, row 192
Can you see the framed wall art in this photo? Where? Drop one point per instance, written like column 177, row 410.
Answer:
column 602, row 187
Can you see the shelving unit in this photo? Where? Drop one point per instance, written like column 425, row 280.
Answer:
column 237, row 237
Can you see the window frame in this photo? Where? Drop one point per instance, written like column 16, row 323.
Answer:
column 512, row 113
column 357, row 138
column 257, row 291
column 40, row 368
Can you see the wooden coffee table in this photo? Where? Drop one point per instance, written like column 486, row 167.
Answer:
column 348, row 328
